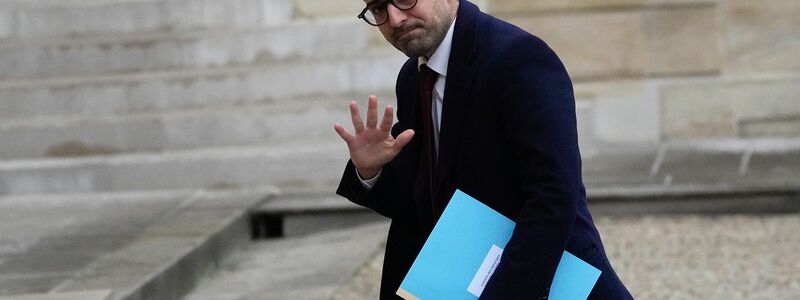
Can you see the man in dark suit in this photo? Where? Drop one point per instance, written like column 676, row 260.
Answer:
column 486, row 108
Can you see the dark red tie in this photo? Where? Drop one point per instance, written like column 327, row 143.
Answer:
column 427, row 80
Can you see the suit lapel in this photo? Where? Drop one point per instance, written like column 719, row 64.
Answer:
column 460, row 76
column 456, row 101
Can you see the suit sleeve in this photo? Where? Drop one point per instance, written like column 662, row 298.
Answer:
column 381, row 197
column 537, row 110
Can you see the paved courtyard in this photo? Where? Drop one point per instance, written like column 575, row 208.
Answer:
column 682, row 257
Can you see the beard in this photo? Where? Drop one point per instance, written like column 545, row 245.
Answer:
column 415, row 39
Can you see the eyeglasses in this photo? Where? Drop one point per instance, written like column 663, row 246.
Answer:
column 375, row 13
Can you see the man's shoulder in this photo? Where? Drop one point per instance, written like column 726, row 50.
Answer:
column 501, row 35
column 501, row 45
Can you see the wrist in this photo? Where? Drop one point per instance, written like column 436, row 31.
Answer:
column 367, row 174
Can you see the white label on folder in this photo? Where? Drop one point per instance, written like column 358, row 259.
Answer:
column 486, row 270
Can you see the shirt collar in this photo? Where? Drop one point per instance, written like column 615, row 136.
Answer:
column 441, row 57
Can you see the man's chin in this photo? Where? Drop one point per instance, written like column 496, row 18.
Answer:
column 413, row 48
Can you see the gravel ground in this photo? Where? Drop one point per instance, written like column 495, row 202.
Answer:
column 681, row 257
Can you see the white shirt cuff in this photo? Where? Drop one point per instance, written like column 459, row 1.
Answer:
column 369, row 183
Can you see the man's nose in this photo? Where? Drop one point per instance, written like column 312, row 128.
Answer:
column 396, row 16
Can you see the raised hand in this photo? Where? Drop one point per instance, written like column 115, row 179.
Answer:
column 371, row 147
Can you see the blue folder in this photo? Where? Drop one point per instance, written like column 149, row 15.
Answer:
column 465, row 247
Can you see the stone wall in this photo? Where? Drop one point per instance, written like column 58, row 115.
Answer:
column 662, row 70
column 108, row 95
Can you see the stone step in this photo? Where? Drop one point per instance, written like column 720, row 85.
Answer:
column 299, row 165
column 303, row 165
column 22, row 20
column 175, row 90
column 620, row 182
column 704, row 199
column 264, row 124
column 81, row 295
column 136, row 245
column 295, row 214
column 182, row 50
column 545, row 7
column 314, row 9
column 169, row 257
column 310, row 267
column 716, row 164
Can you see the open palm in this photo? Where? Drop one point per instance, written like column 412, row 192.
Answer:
column 372, row 146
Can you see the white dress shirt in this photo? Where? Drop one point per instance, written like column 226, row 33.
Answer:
column 438, row 62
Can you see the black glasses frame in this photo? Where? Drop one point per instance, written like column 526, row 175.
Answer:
column 378, row 3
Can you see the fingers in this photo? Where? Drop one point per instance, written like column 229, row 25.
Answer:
column 403, row 139
column 372, row 116
column 372, row 112
column 346, row 136
column 355, row 115
column 388, row 119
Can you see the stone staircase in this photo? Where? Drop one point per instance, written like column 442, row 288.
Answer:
column 137, row 95
column 102, row 95
column 109, row 105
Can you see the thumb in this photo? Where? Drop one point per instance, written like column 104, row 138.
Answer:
column 346, row 136
column 403, row 139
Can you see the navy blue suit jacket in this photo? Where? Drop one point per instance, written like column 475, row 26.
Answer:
column 508, row 138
